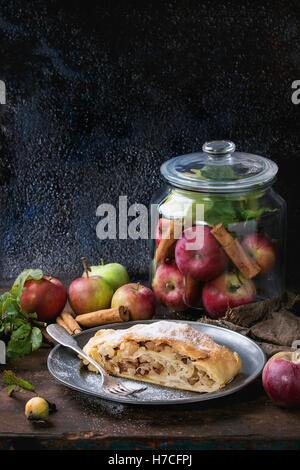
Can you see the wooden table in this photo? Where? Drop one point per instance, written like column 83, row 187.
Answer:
column 245, row 420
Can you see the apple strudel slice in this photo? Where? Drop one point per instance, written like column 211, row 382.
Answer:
column 171, row 354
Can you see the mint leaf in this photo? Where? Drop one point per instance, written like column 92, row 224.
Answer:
column 26, row 275
column 210, row 172
column 254, row 214
column 20, row 343
column 22, row 332
column 14, row 292
column 16, row 322
column 14, row 383
column 227, row 211
column 10, row 306
column 18, row 348
column 218, row 173
column 224, row 212
column 32, row 315
column 4, row 297
column 36, row 338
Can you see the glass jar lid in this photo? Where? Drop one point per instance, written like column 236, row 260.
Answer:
column 219, row 168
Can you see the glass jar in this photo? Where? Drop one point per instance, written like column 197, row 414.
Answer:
column 219, row 231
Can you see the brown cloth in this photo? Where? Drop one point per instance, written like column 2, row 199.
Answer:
column 273, row 324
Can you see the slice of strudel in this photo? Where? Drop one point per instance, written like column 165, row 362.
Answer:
column 166, row 353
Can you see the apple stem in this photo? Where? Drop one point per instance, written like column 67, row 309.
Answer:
column 169, row 286
column 138, row 285
column 41, row 324
column 102, row 261
column 238, row 274
column 86, row 266
column 295, row 356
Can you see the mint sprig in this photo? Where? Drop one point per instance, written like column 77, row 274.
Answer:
column 218, row 208
column 14, row 383
column 24, row 335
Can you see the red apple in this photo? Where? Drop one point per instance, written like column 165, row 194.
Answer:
column 262, row 250
column 204, row 262
column 46, row 297
column 228, row 290
column 139, row 299
column 169, row 288
column 281, row 378
column 89, row 294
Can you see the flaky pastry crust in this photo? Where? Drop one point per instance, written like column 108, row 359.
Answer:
column 171, row 354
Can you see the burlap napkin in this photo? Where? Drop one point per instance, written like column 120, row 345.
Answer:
column 272, row 324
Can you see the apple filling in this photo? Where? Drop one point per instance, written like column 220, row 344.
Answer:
column 172, row 354
column 153, row 362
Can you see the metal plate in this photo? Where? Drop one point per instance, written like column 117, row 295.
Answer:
column 65, row 367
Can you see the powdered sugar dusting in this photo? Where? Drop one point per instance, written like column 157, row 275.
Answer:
column 161, row 329
column 178, row 331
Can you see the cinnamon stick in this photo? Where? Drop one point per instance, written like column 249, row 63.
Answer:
column 101, row 317
column 71, row 322
column 192, row 291
column 60, row 322
column 166, row 245
column 240, row 258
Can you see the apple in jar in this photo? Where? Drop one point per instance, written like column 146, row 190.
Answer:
column 281, row 378
column 262, row 250
column 46, row 297
column 199, row 255
column 139, row 300
column 169, row 287
column 227, row 291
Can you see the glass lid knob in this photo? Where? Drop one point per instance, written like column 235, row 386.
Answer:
column 218, row 147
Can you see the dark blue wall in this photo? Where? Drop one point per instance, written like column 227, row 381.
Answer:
column 99, row 96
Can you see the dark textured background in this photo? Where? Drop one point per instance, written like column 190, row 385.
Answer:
column 99, row 96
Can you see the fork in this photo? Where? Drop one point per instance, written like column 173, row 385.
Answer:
column 109, row 384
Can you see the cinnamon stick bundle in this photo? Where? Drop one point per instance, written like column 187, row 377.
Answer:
column 60, row 322
column 166, row 245
column 102, row 317
column 71, row 322
column 240, row 258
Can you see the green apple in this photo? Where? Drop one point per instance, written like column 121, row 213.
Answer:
column 88, row 294
column 113, row 273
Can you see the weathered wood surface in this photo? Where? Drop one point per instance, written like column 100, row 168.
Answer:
column 247, row 419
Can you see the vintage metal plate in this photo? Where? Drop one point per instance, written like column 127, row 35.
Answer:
column 65, row 367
